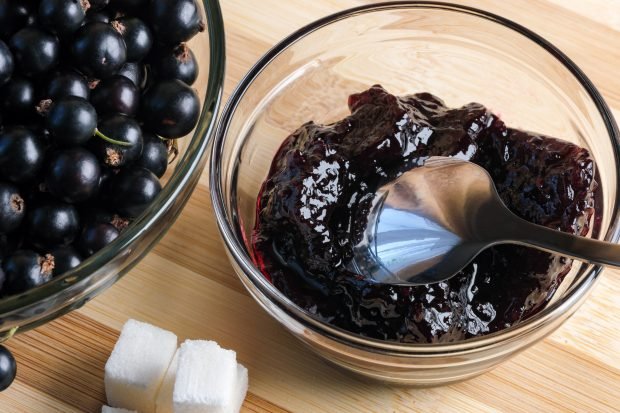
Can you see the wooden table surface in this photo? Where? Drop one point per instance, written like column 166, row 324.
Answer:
column 186, row 284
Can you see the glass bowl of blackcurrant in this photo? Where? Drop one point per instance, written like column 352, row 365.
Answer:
column 106, row 110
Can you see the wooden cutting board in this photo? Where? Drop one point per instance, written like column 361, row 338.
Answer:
column 186, row 284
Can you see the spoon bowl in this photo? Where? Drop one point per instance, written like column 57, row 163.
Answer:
column 432, row 221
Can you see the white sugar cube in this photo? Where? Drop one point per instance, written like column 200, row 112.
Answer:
column 240, row 390
column 137, row 366
column 108, row 409
column 206, row 378
column 163, row 402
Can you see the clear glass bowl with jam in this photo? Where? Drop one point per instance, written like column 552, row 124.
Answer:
column 461, row 55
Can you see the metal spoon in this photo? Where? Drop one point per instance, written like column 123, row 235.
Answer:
column 432, row 221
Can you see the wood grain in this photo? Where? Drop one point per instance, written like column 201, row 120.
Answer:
column 187, row 285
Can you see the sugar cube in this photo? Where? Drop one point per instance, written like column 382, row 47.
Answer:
column 108, row 409
column 240, row 390
column 205, row 378
column 163, row 402
column 137, row 365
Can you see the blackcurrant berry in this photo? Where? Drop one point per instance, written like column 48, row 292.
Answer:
column 95, row 237
column 154, row 155
column 8, row 368
column 73, row 175
column 67, row 83
column 72, row 121
column 170, row 109
column 116, row 94
column 6, row 63
column 93, row 214
column 62, row 17
column 176, row 63
column 132, row 190
column 128, row 6
column 98, row 50
column 65, row 259
column 134, row 72
column 36, row 51
column 25, row 269
column 21, row 154
column 12, row 208
column 15, row 15
column 98, row 16
column 122, row 129
column 106, row 175
column 175, row 21
column 18, row 98
column 8, row 244
column 137, row 35
column 96, row 5
column 37, row 127
column 52, row 224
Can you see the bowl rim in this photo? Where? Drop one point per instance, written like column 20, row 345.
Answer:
column 237, row 251
column 180, row 179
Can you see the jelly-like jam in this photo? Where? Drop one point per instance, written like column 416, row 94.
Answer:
column 312, row 210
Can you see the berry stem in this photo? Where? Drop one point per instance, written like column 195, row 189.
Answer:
column 114, row 141
column 44, row 106
column 85, row 5
column 172, row 146
column 7, row 335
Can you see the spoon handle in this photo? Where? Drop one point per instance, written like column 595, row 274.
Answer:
column 584, row 249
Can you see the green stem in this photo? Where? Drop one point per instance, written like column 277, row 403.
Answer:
column 114, row 141
column 7, row 335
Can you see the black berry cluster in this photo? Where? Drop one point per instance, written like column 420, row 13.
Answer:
column 92, row 95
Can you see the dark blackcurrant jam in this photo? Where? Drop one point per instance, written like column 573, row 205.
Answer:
column 312, row 211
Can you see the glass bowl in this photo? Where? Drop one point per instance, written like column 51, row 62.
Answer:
column 71, row 290
column 458, row 53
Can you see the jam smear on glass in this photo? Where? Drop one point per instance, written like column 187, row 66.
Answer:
column 312, row 210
